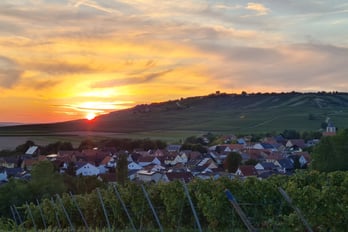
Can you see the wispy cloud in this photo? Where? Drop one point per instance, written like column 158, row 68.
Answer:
column 259, row 8
column 59, row 67
column 75, row 51
column 130, row 80
column 93, row 4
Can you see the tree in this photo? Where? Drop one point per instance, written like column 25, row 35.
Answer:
column 291, row 134
column 331, row 154
column 122, row 169
column 57, row 146
column 232, row 161
column 87, row 144
column 45, row 181
column 251, row 162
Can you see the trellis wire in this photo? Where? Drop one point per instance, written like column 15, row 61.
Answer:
column 104, row 209
column 56, row 214
column 78, row 209
column 41, row 213
column 31, row 215
column 65, row 212
column 152, row 208
column 192, row 207
column 297, row 210
column 124, row 208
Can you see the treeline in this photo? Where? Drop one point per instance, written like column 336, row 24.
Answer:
column 320, row 196
column 119, row 143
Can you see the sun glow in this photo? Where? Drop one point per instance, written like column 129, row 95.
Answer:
column 90, row 116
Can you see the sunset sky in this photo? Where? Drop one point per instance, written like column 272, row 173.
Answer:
column 64, row 59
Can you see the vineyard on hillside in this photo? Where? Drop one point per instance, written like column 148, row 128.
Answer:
column 321, row 197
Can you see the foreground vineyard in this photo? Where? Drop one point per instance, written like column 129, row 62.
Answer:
column 322, row 198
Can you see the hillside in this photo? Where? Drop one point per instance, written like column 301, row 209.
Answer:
column 221, row 113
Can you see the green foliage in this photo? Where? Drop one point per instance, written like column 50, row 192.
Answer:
column 82, row 184
column 87, row 144
column 53, row 148
column 15, row 192
column 5, row 153
column 308, row 135
column 331, row 153
column 7, row 224
column 321, row 197
column 45, row 181
column 232, row 161
column 194, row 147
column 291, row 134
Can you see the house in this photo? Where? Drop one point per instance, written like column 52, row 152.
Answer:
column 274, row 157
column 147, row 160
column 95, row 156
column 160, row 152
column 236, row 147
column 265, row 166
column 134, row 166
column 132, row 174
column 193, row 155
column 217, row 157
column 176, row 158
column 28, row 164
column 264, row 146
column 32, row 150
column 9, row 162
column 207, row 163
column 149, row 176
column 108, row 162
column 86, row 169
column 168, row 159
column 223, row 149
column 303, row 158
column 246, row 171
column 286, row 166
column 3, row 174
column 241, row 141
column 295, row 144
column 13, row 172
column 154, row 168
column 256, row 154
column 173, row 148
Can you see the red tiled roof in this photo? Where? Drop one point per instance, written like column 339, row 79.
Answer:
column 248, row 170
column 106, row 160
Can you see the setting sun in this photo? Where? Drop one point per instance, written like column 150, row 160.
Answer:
column 90, row 116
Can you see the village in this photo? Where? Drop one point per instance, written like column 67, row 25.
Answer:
column 270, row 156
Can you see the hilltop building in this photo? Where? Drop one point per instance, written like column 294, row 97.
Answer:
column 331, row 130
